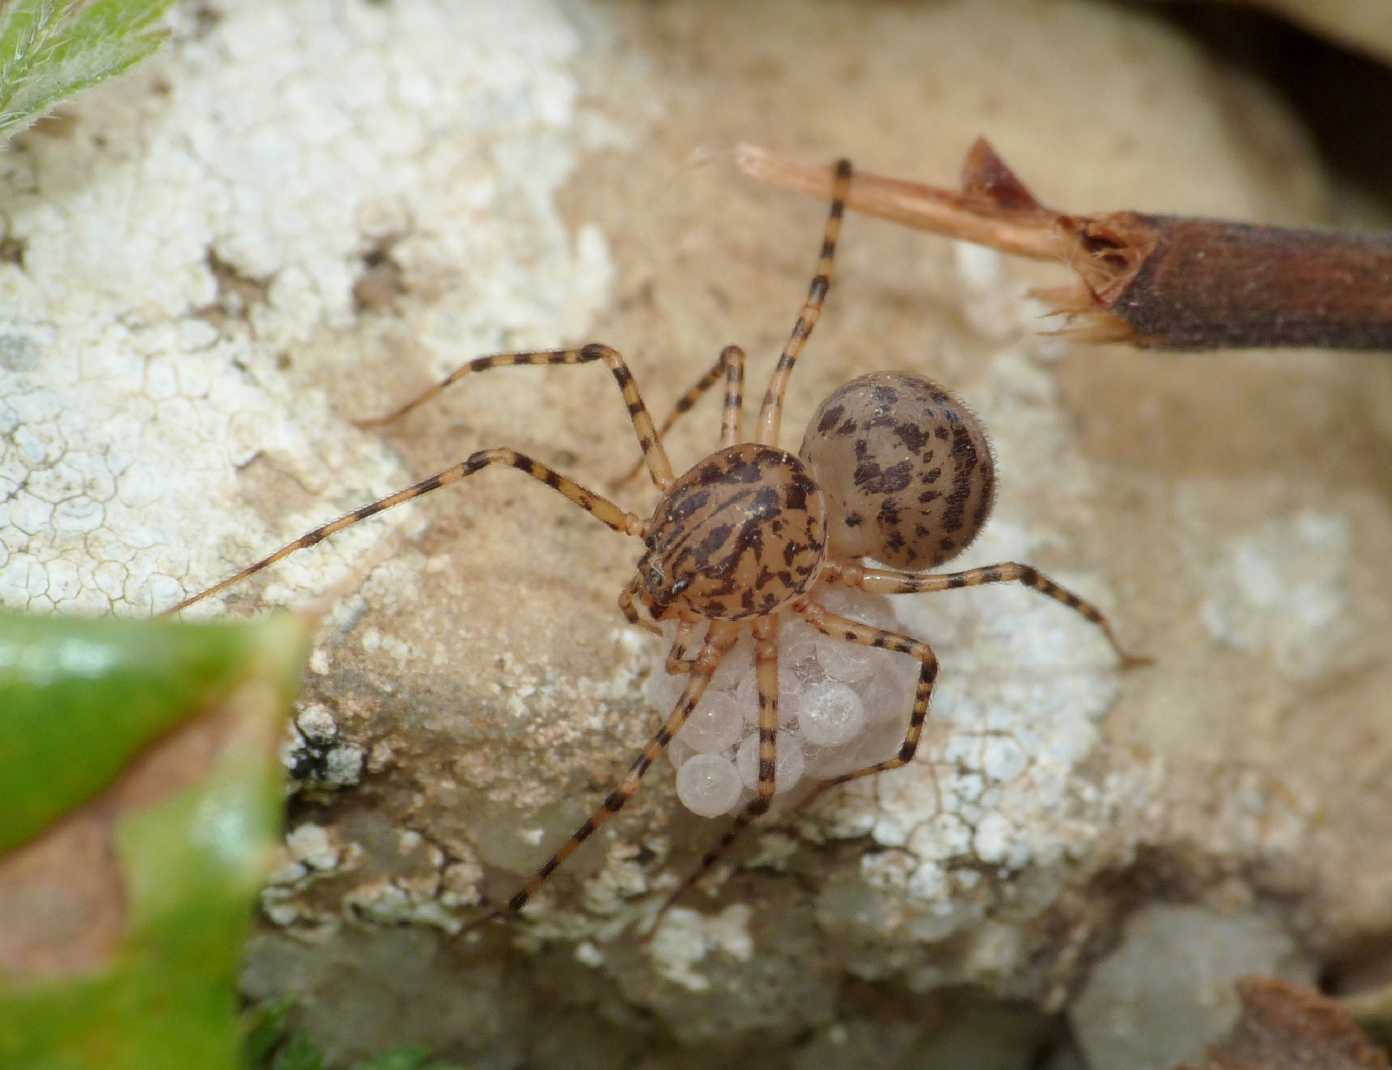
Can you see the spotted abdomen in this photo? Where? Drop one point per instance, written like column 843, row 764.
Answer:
column 906, row 468
column 737, row 536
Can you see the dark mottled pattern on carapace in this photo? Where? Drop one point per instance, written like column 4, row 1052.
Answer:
column 738, row 536
column 906, row 467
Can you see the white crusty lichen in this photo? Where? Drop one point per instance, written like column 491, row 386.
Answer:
column 1281, row 590
column 181, row 273
column 685, row 938
column 311, row 853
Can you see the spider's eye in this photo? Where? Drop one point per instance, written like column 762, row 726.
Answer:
column 650, row 541
column 654, row 577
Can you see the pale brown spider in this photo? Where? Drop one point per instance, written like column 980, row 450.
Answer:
column 892, row 467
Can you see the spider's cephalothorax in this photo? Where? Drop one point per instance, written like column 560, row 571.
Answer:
column 892, row 467
column 737, row 536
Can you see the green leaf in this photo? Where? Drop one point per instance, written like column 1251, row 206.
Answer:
column 124, row 920
column 51, row 49
column 402, row 1059
column 270, row 1044
column 265, row 1028
column 119, row 683
column 405, row 1059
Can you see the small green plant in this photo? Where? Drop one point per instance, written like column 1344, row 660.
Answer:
column 51, row 49
column 271, row 1044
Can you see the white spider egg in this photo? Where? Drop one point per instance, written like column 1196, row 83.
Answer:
column 831, row 714
column 708, row 784
column 715, row 724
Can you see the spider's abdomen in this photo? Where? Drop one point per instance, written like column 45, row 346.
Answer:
column 906, row 468
column 737, row 536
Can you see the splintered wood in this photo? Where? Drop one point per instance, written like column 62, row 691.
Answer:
column 1155, row 281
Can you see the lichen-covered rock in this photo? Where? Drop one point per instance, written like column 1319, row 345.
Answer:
column 300, row 214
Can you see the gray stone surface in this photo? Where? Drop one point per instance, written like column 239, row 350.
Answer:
column 1166, row 992
column 304, row 212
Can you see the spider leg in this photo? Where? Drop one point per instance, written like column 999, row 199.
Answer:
column 732, row 415
column 596, row 505
column 771, row 414
column 839, row 627
column 629, row 608
column 890, row 581
column 677, row 660
column 766, row 667
column 653, row 454
column 731, row 364
column 722, row 636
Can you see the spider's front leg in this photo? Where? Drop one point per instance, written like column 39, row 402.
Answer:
column 771, row 412
column 628, row 606
column 653, row 454
column 678, row 660
column 598, row 506
column 659, row 467
column 730, row 364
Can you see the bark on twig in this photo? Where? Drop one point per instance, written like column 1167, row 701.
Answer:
column 1156, row 281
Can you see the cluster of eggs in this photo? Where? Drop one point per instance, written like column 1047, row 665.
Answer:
column 841, row 707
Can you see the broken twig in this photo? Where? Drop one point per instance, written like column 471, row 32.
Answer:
column 1156, row 281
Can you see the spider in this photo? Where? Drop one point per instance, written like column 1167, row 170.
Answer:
column 892, row 468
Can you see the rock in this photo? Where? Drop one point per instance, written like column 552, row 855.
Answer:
column 300, row 215
column 1168, row 990
column 1288, row 1027
column 962, row 1032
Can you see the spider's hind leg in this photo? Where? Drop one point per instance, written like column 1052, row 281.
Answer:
column 891, row 581
column 722, row 636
